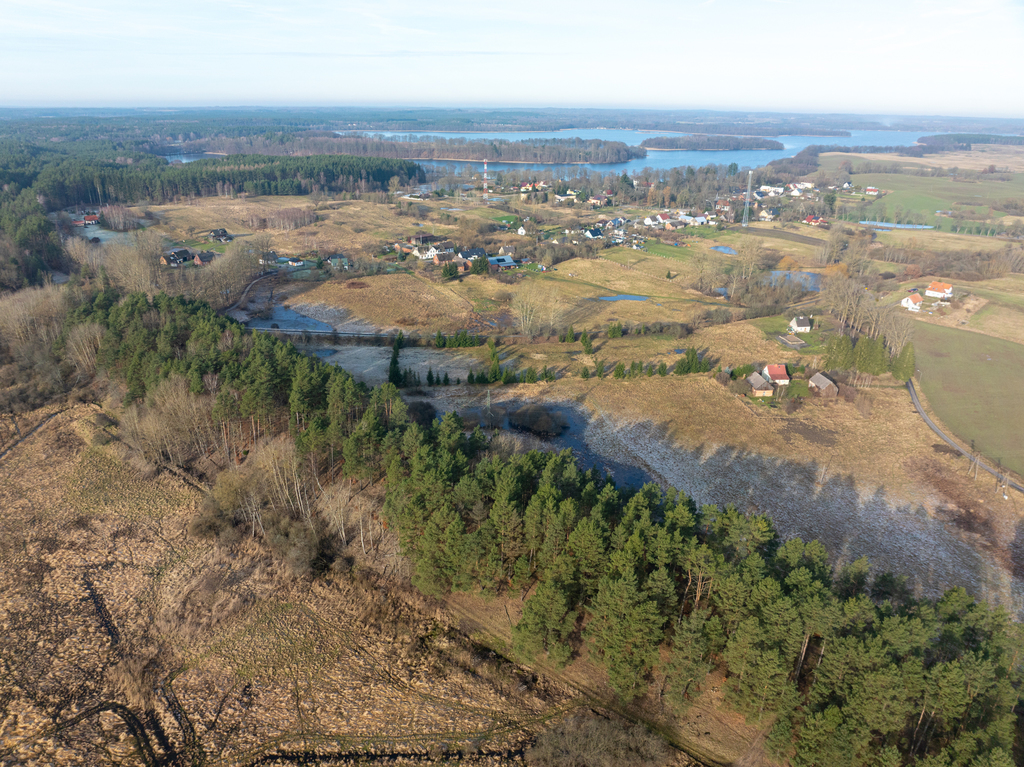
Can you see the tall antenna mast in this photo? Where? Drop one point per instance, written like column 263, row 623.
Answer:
column 746, row 206
column 485, row 180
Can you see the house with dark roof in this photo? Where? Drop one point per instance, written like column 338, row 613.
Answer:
column 176, row 258
column 593, row 234
column 758, row 386
column 472, row 254
column 204, row 258
column 823, row 385
column 800, row 325
column 501, row 263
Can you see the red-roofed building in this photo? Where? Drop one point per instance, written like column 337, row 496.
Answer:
column 91, row 220
column 912, row 302
column 939, row 290
column 776, row 374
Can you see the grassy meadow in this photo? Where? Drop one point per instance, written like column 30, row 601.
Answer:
column 971, row 382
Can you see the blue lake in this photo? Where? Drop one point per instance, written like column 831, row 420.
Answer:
column 662, row 160
column 657, row 160
column 724, row 249
column 622, row 298
column 883, row 225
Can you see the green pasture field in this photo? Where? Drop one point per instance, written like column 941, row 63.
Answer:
column 925, row 195
column 667, row 251
column 969, row 379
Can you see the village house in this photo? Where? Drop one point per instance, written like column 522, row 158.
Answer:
column 598, row 199
column 872, row 191
column 800, row 325
column 521, row 231
column 776, row 374
column 219, row 235
column 758, row 386
column 176, row 257
column 767, row 214
column 815, row 221
column 501, row 263
column 913, row 302
column 820, row 384
column 472, row 254
column 204, row 258
column 941, row 290
column 91, row 220
column 593, row 234
column 507, row 250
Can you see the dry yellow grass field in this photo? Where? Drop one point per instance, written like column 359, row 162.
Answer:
column 405, row 301
column 110, row 610
column 980, row 157
column 354, row 227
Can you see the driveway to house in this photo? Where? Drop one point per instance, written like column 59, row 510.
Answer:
column 246, row 291
column 951, row 443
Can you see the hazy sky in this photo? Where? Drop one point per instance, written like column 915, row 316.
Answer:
column 950, row 57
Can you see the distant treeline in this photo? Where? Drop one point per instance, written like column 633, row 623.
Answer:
column 36, row 179
column 556, row 151
column 710, row 143
column 806, row 161
column 76, row 181
column 957, row 141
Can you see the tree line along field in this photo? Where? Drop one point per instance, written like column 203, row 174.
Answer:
column 968, row 379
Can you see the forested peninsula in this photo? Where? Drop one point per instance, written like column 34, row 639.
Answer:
column 413, row 147
column 712, row 143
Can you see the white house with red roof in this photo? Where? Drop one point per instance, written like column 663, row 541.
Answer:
column 912, row 302
column 939, row 290
column 776, row 374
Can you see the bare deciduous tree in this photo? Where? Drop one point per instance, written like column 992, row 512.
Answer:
column 526, row 305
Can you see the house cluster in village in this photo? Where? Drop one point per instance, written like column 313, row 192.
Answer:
column 767, row 381
column 941, row 291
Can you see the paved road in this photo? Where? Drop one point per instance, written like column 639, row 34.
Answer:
column 951, row 443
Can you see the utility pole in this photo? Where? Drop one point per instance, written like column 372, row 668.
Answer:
column 746, row 205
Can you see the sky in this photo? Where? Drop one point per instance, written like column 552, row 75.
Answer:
column 861, row 56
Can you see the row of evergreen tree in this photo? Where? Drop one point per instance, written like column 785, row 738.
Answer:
column 869, row 356
column 850, row 669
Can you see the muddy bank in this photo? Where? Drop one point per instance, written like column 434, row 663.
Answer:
column 337, row 318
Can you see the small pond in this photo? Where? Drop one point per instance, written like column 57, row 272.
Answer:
column 622, row 298
column 724, row 249
column 808, row 280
